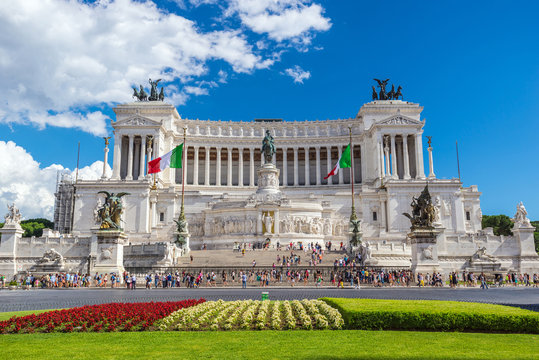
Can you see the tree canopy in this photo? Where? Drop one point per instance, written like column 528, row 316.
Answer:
column 34, row 227
column 501, row 224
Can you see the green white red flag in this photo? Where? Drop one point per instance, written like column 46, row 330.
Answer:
column 345, row 161
column 172, row 159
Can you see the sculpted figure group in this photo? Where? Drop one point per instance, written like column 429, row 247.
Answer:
column 383, row 95
column 154, row 96
column 423, row 211
column 109, row 214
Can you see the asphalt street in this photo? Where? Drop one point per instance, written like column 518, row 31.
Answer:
column 15, row 300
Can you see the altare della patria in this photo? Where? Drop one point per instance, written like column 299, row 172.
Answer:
column 261, row 184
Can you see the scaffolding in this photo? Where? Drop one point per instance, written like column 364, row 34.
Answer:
column 63, row 205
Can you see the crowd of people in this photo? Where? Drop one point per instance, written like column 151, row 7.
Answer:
column 345, row 273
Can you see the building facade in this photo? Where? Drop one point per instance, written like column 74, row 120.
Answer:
column 224, row 204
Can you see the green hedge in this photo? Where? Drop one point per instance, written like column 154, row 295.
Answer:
column 432, row 315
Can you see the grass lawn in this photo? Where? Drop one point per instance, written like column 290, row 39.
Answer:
column 9, row 315
column 431, row 306
column 298, row 344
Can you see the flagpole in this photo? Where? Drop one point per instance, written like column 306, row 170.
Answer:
column 353, row 216
column 184, row 164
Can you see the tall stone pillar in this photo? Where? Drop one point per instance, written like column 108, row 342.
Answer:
column 307, row 167
column 129, row 175
column 328, row 163
column 419, row 156
column 229, row 167
column 386, row 151
column 251, row 167
column 340, row 174
column 218, row 168
column 431, row 164
column 381, row 159
column 318, row 175
column 149, row 150
column 106, row 159
column 117, row 157
column 406, row 157
column 142, row 157
column 394, row 174
column 195, row 166
column 296, row 175
column 207, row 166
column 240, row 167
column 285, row 167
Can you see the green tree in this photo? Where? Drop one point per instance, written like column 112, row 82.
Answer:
column 536, row 235
column 34, row 227
column 501, row 224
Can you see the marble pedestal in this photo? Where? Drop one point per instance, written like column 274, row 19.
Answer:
column 11, row 235
column 424, row 250
column 268, row 179
column 110, row 252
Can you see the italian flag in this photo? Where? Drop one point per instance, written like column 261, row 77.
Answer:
column 172, row 159
column 345, row 161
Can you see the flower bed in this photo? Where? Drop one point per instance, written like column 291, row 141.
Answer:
column 96, row 318
column 254, row 315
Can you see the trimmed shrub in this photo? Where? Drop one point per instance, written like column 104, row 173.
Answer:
column 434, row 316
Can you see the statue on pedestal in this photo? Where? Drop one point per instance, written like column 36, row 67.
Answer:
column 355, row 229
column 109, row 214
column 13, row 217
column 268, row 148
column 423, row 211
column 521, row 217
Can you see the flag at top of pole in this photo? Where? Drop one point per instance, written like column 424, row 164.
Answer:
column 172, row 159
column 345, row 161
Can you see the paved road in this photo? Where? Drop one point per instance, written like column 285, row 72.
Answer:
column 14, row 300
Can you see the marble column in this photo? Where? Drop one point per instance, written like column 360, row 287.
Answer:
column 195, row 166
column 117, row 157
column 419, row 157
column 207, row 166
column 185, row 167
column 136, row 157
column 149, row 151
column 240, row 167
column 386, row 151
column 431, row 164
column 285, row 167
column 394, row 174
column 218, row 168
column 341, row 172
column 229, row 167
column 129, row 175
column 105, row 160
column 318, row 175
column 296, row 175
column 142, row 157
column 381, row 158
column 251, row 167
column 406, row 156
column 307, row 167
column 329, row 165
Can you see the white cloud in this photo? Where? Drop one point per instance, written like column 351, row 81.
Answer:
column 281, row 19
column 31, row 187
column 298, row 74
column 57, row 56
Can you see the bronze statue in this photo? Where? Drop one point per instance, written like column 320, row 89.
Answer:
column 268, row 148
column 181, row 227
column 355, row 228
column 153, row 91
column 382, row 84
column 374, row 94
column 391, row 93
column 398, row 93
column 423, row 212
column 111, row 211
column 162, row 94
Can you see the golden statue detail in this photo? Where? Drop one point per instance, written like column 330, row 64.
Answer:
column 110, row 212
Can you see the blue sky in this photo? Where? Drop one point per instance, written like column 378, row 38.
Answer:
column 474, row 66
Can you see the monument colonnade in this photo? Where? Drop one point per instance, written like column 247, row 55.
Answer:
column 234, row 163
